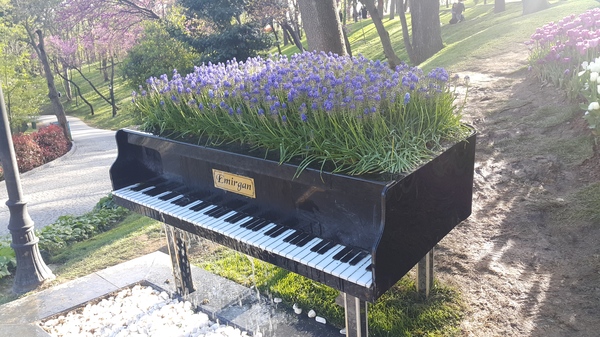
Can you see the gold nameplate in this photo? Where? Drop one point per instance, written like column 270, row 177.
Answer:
column 234, row 183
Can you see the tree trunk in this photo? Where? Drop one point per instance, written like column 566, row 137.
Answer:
column 78, row 92
column 104, row 68
column 92, row 85
column 379, row 8
column 322, row 26
column 532, row 6
column 392, row 9
column 59, row 110
column 384, row 36
column 405, row 35
column 275, row 34
column 499, row 6
column 426, row 32
column 286, row 36
column 293, row 34
column 66, row 82
column 111, row 87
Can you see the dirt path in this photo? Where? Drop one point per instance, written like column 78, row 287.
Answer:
column 528, row 259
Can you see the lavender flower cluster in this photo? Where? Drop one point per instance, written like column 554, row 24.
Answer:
column 299, row 87
column 358, row 115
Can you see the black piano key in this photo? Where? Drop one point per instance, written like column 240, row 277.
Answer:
column 352, row 254
column 258, row 224
column 292, row 236
column 201, row 206
column 341, row 253
column 162, row 188
column 326, row 248
column 306, row 240
column 250, row 222
column 358, row 258
column 249, row 211
column 273, row 230
column 298, row 238
column 169, row 195
column 261, row 225
column 253, row 223
column 278, row 232
column 184, row 200
column 220, row 213
column 217, row 212
column 189, row 198
column 319, row 245
column 151, row 182
column 235, row 217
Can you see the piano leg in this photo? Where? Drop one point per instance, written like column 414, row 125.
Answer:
column 425, row 274
column 356, row 316
column 177, row 243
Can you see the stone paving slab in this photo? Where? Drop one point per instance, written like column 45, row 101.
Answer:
column 222, row 299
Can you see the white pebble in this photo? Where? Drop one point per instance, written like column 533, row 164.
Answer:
column 312, row 313
column 136, row 312
column 320, row 319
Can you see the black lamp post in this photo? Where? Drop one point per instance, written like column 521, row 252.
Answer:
column 31, row 269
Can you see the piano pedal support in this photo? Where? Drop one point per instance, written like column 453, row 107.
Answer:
column 177, row 243
column 425, row 274
column 356, row 316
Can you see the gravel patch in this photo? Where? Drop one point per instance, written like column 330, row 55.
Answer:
column 138, row 311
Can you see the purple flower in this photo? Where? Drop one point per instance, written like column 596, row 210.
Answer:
column 303, row 117
column 406, row 98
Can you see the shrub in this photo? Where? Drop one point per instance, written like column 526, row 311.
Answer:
column 52, row 142
column 66, row 230
column 69, row 229
column 8, row 261
column 155, row 54
column 28, row 152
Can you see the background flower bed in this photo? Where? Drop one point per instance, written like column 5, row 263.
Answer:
column 35, row 149
column 347, row 114
column 565, row 53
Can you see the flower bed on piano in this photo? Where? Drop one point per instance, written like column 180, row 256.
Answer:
column 343, row 114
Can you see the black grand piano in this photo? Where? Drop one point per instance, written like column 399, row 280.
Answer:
column 357, row 234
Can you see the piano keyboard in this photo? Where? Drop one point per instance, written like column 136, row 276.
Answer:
column 238, row 221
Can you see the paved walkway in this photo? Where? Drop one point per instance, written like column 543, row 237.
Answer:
column 72, row 184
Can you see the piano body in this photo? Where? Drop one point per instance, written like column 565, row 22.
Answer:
column 357, row 234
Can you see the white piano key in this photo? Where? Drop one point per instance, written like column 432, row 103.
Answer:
column 340, row 268
column 187, row 211
column 291, row 254
column 319, row 262
column 360, row 271
column 251, row 237
column 366, row 279
column 273, row 244
column 201, row 217
column 224, row 227
column 357, row 268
